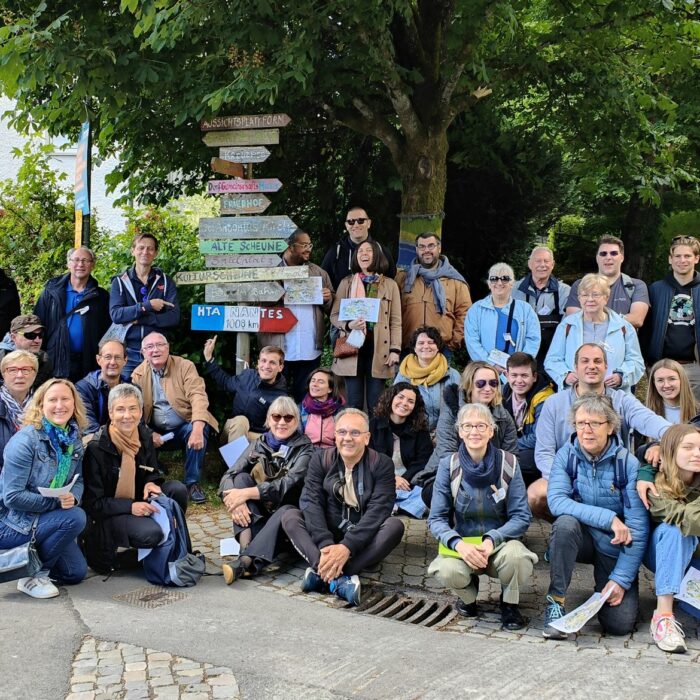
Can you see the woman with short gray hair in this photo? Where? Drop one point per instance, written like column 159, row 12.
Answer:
column 498, row 325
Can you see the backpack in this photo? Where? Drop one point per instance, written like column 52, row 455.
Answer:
column 172, row 563
column 507, row 472
column 619, row 478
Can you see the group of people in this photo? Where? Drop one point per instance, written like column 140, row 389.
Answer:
column 542, row 422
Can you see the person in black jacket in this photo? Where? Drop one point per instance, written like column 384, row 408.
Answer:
column 75, row 314
column 265, row 481
column 27, row 333
column 120, row 470
column 9, row 302
column 18, row 369
column 344, row 523
column 399, row 429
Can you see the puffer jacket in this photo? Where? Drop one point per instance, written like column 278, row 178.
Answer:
column 287, row 487
column 30, row 462
column 540, row 392
column 599, row 502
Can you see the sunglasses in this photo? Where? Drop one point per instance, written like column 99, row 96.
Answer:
column 277, row 417
column 352, row 222
column 481, row 383
column 611, row 253
column 504, row 278
column 32, row 335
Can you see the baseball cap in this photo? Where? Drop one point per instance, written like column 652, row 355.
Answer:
column 26, row 322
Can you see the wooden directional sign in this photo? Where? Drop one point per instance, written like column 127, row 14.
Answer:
column 254, row 137
column 256, row 245
column 242, row 319
column 243, row 203
column 239, row 260
column 245, row 155
column 245, row 291
column 252, row 274
column 245, row 121
column 226, row 167
column 270, row 184
column 247, row 227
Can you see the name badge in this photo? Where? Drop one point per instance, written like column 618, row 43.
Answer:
column 544, row 310
column 83, row 310
column 262, row 400
column 498, row 494
column 283, row 451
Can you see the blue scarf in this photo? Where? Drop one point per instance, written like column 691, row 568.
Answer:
column 479, row 474
column 63, row 441
column 431, row 276
column 272, row 442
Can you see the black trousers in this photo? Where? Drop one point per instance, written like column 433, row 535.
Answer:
column 387, row 537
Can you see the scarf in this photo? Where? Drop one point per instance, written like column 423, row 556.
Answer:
column 272, row 442
column 15, row 410
column 424, row 376
column 62, row 440
column 431, row 276
column 127, row 446
column 479, row 474
column 325, row 409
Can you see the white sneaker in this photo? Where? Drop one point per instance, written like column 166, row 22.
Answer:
column 668, row 634
column 37, row 587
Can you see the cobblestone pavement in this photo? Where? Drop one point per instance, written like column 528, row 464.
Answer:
column 405, row 571
column 126, row 672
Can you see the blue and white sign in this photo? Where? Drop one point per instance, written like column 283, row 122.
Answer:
column 82, row 165
column 215, row 317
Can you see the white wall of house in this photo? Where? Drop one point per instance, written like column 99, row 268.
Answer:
column 101, row 203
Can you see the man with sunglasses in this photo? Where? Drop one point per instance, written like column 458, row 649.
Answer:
column 27, row 333
column 75, row 312
column 344, row 523
column 143, row 299
column 336, row 261
column 303, row 344
column 433, row 294
column 672, row 328
column 629, row 297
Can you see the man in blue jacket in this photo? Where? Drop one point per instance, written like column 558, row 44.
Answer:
column 253, row 391
column 600, row 519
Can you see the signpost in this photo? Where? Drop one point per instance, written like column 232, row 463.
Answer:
column 270, row 184
column 242, row 319
column 247, row 291
column 252, row 274
column 257, row 245
column 239, row 260
column 243, row 203
column 245, row 121
column 227, row 167
column 255, row 154
column 254, row 137
column 247, row 227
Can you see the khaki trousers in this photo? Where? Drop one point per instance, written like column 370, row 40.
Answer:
column 237, row 427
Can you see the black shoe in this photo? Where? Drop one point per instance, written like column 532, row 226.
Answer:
column 196, row 494
column 511, row 619
column 466, row 609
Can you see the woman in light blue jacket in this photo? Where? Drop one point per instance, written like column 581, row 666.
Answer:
column 499, row 325
column 46, row 452
column 596, row 324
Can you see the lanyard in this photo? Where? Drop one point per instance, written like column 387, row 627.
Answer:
column 509, row 324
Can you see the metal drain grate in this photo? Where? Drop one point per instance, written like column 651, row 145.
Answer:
column 151, row 597
column 416, row 611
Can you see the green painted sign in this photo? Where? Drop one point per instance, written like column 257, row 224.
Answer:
column 255, row 245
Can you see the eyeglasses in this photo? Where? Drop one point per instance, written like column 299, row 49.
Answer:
column 277, row 417
column 590, row 295
column 352, row 222
column 343, row 432
column 611, row 253
column 112, row 358
column 688, row 239
column 592, row 424
column 429, row 246
column 305, row 246
column 154, row 346
column 31, row 335
column 82, row 261
column 479, row 427
column 19, row 370
column 504, row 278
column 481, row 383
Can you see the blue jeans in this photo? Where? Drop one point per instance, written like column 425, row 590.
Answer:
column 668, row 555
column 194, row 459
column 56, row 531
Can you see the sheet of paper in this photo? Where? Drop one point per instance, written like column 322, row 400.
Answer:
column 576, row 619
column 368, row 309
column 308, row 291
column 55, row 493
column 498, row 357
column 690, row 588
column 161, row 517
column 229, row 547
column 233, row 450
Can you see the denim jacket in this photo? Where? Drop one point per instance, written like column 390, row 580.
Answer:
column 30, row 462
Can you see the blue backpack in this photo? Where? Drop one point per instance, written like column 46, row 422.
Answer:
column 619, row 483
column 173, row 563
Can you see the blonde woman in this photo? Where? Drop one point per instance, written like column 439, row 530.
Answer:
column 669, row 393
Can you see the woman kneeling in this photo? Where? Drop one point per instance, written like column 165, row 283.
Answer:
column 479, row 511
